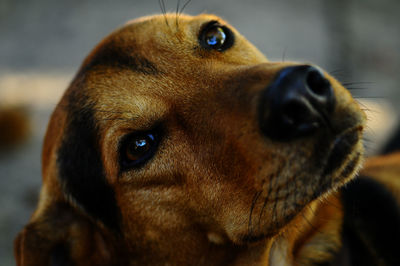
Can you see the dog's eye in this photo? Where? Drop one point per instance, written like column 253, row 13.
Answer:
column 216, row 37
column 137, row 148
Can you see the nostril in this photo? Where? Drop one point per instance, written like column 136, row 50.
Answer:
column 317, row 83
column 297, row 118
column 293, row 112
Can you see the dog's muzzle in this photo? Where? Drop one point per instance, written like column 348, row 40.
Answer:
column 297, row 103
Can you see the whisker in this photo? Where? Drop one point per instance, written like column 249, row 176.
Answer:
column 274, row 214
column 370, row 97
column 336, row 71
column 371, row 131
column 265, row 200
column 177, row 13
column 163, row 10
column 355, row 88
column 161, row 6
column 262, row 212
column 275, row 203
column 364, row 107
column 357, row 83
column 287, row 186
column 371, row 111
column 284, row 54
column 253, row 203
column 365, row 139
column 184, row 6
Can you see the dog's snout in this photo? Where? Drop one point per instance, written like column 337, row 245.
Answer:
column 298, row 102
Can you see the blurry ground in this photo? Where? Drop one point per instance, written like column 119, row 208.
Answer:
column 42, row 43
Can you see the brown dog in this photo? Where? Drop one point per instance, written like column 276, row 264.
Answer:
column 179, row 143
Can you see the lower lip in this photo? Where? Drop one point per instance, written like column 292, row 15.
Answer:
column 343, row 146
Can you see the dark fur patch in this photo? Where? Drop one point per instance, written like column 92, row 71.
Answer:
column 371, row 230
column 80, row 165
column 111, row 54
column 342, row 148
column 59, row 256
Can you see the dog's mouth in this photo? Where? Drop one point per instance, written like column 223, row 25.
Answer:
column 343, row 158
column 282, row 200
column 342, row 148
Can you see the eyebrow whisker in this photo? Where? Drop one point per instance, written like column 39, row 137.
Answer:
column 184, row 6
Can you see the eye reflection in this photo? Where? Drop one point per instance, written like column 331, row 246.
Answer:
column 216, row 37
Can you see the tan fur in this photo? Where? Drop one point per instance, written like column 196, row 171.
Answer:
column 191, row 204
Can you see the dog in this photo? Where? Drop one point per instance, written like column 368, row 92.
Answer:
column 179, row 143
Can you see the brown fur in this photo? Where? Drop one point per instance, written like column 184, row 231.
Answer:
column 14, row 126
column 192, row 204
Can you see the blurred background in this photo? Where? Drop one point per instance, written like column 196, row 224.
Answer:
column 43, row 42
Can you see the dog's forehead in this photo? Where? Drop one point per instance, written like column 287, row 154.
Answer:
column 165, row 43
column 179, row 34
column 157, row 55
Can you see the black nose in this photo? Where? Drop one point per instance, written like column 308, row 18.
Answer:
column 297, row 103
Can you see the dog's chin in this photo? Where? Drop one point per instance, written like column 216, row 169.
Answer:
column 340, row 165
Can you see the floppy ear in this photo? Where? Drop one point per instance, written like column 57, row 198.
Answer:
column 61, row 236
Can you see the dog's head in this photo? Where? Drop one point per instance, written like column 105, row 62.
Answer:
column 177, row 133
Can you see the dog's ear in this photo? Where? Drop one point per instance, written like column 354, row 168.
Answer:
column 62, row 236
